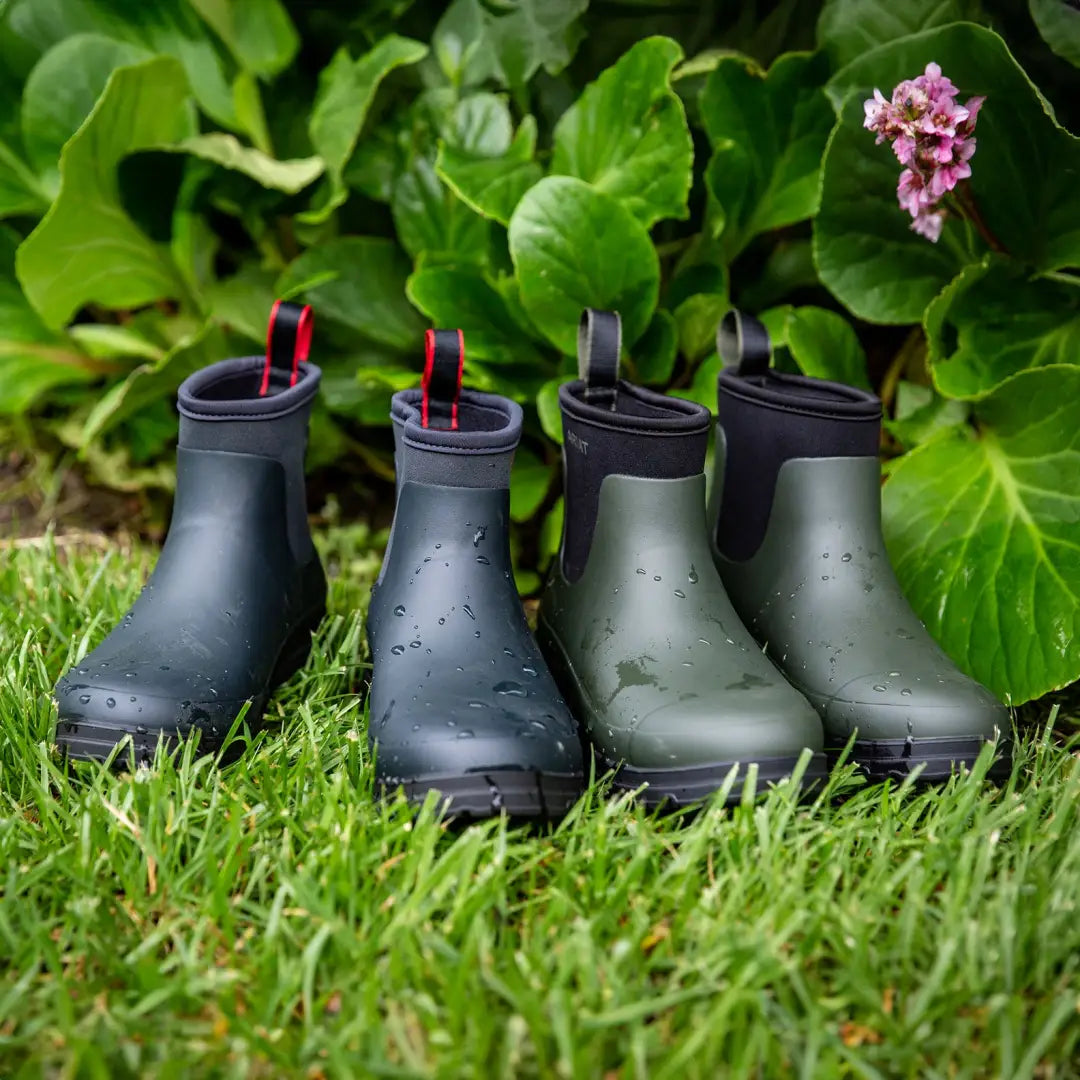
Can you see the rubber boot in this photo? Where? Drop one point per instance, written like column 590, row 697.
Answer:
column 641, row 636
column 461, row 702
column 228, row 612
column 796, row 529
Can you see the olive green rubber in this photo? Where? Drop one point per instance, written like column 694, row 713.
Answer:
column 651, row 655
column 821, row 596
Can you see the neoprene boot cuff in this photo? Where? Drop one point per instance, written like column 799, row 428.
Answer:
column 768, row 418
column 636, row 432
column 478, row 453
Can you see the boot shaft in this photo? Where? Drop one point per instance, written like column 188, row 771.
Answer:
column 614, row 428
column 767, row 417
column 222, row 410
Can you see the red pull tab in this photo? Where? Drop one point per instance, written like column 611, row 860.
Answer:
column 444, row 365
column 288, row 340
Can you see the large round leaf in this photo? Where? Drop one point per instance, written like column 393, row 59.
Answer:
column 983, row 526
column 575, row 247
column 995, row 320
column 627, row 134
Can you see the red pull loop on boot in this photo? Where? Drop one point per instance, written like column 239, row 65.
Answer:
column 444, row 365
column 288, row 341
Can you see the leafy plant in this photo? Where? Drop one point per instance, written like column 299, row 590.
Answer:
column 166, row 170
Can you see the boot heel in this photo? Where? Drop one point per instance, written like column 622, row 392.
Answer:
column 295, row 651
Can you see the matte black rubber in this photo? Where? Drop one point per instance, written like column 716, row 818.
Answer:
column 516, row 793
column 896, row 759
column 460, row 691
column 226, row 616
column 673, row 788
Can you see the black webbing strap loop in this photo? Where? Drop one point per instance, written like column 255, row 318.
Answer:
column 444, row 365
column 288, row 341
column 743, row 343
column 599, row 345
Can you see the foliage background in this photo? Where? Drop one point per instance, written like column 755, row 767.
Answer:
column 167, row 169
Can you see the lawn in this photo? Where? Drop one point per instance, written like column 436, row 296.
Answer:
column 271, row 918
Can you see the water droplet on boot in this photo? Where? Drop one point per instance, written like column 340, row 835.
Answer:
column 479, row 535
column 84, row 698
column 129, row 674
column 397, row 650
column 656, row 577
column 483, row 560
column 880, row 689
column 511, row 689
column 141, row 729
column 529, row 670
column 111, row 702
column 415, row 644
column 824, row 554
column 894, row 674
column 399, row 610
column 680, row 594
column 437, row 546
column 640, row 571
column 465, row 733
column 905, row 692
column 133, row 698
column 846, row 557
column 468, row 611
column 478, row 705
column 692, row 576
column 164, row 667
column 509, row 652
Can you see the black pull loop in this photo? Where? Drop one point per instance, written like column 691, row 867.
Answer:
column 743, row 342
column 288, row 341
column 444, row 365
column 599, row 344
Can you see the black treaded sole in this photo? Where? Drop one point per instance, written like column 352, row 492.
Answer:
column 896, row 759
column 84, row 740
column 674, row 788
column 518, row 793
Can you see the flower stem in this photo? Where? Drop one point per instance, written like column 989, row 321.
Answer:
column 1062, row 276
column 966, row 201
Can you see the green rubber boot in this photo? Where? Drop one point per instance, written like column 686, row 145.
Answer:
column 796, row 532
column 672, row 691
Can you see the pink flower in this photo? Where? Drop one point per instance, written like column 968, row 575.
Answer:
column 931, row 136
column 929, row 224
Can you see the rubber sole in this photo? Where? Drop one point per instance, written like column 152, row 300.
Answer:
column 518, row 793
column 84, row 740
column 896, row 759
column 674, row 788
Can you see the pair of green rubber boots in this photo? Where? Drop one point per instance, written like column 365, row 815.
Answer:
column 685, row 643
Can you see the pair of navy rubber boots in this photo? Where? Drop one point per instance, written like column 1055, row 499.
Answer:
column 676, row 645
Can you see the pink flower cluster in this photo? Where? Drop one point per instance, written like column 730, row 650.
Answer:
column 932, row 136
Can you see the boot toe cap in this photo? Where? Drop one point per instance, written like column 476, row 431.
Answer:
column 886, row 705
column 766, row 722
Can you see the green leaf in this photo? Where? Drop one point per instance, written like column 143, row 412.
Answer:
column 474, row 42
column 432, row 221
column 243, row 302
column 363, row 288
column 921, row 414
column 822, row 343
column 983, row 527
column 1025, row 173
column 529, row 483
column 228, row 152
column 106, row 259
column 20, row 190
column 1059, row 24
column 848, row 29
column 259, row 33
column 547, row 408
column 654, row 355
column 61, row 92
column 346, row 91
column 575, row 247
column 158, row 379
column 33, row 358
column 697, row 318
column 627, row 134
column 492, row 185
column 463, row 297
column 769, row 134
column 995, row 320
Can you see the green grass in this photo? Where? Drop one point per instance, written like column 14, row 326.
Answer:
column 273, row 919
